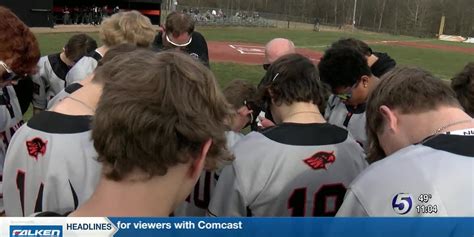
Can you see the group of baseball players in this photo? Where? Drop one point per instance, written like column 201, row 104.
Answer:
column 139, row 126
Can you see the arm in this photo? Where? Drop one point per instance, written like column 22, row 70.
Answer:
column 81, row 70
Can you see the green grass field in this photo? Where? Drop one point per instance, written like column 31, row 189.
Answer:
column 441, row 63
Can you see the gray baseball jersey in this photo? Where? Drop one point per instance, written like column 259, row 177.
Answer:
column 348, row 117
column 50, row 79
column 11, row 119
column 288, row 170
column 83, row 68
column 50, row 165
column 197, row 202
column 434, row 178
column 63, row 93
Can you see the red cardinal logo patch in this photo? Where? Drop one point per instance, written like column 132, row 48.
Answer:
column 320, row 160
column 35, row 147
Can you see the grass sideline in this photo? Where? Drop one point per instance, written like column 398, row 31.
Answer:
column 442, row 63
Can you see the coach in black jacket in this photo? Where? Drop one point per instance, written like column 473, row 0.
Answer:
column 178, row 33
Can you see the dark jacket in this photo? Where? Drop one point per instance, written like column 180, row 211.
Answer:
column 197, row 48
column 383, row 64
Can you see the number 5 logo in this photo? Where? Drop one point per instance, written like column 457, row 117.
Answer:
column 402, row 203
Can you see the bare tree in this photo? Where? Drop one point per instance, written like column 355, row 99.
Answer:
column 382, row 10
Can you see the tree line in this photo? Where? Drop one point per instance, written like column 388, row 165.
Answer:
column 412, row 17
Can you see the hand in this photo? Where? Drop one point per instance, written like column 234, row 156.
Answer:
column 266, row 122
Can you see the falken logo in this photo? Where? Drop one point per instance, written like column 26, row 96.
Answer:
column 320, row 160
column 36, row 230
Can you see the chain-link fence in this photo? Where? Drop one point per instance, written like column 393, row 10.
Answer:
column 226, row 17
column 232, row 17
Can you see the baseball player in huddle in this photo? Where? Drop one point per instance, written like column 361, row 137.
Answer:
column 154, row 146
column 51, row 164
column 121, row 28
column 124, row 27
column 422, row 142
column 300, row 167
column 51, row 76
column 19, row 54
column 346, row 71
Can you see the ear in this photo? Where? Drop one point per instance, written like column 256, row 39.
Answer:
column 198, row 164
column 364, row 80
column 271, row 96
column 390, row 118
column 244, row 111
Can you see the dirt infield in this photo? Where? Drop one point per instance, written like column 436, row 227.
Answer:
column 243, row 53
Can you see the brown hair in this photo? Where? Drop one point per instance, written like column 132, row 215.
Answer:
column 17, row 43
column 78, row 46
column 178, row 23
column 156, row 111
column 463, row 85
column 409, row 90
column 292, row 78
column 239, row 91
column 127, row 27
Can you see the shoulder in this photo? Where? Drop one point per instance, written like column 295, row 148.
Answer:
column 84, row 61
column 398, row 170
column 306, row 134
column 389, row 165
column 158, row 41
column 334, row 103
column 198, row 39
column 46, row 59
column 233, row 138
column 57, row 123
column 52, row 58
column 198, row 35
column 250, row 146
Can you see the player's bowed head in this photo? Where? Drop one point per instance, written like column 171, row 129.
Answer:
column 409, row 106
column 159, row 121
column 291, row 90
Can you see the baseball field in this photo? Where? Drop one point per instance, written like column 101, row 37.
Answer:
column 237, row 52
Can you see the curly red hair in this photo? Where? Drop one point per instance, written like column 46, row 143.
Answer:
column 17, row 43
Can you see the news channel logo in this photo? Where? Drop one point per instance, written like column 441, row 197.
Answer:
column 36, row 230
column 402, row 203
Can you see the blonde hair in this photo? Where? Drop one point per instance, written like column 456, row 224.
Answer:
column 127, row 27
